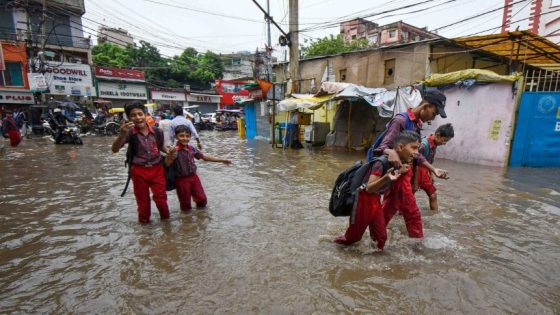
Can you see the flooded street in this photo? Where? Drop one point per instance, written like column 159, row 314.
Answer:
column 71, row 244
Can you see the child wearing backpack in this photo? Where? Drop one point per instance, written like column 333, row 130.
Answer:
column 369, row 212
column 423, row 179
column 401, row 196
column 187, row 182
column 144, row 159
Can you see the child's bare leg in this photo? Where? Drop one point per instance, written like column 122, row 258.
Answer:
column 433, row 202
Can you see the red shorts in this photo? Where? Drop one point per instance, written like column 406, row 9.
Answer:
column 425, row 181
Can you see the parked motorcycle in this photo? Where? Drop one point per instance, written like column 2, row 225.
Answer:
column 68, row 135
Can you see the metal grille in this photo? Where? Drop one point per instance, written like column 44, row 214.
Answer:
column 541, row 80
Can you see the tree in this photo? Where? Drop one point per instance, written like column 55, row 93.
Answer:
column 330, row 45
column 190, row 67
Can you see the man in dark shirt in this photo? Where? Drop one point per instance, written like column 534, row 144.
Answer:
column 401, row 196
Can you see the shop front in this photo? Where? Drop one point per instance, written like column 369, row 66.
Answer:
column 168, row 97
column 207, row 103
column 120, row 86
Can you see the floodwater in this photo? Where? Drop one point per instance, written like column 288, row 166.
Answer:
column 70, row 244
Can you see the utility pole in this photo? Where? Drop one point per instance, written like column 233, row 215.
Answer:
column 269, row 48
column 294, row 45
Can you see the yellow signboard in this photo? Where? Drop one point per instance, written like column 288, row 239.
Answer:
column 494, row 133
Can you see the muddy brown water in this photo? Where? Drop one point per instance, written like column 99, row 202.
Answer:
column 70, row 244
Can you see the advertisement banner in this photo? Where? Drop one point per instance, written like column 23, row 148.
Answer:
column 69, row 79
column 37, row 82
column 168, row 96
column 129, row 91
column 119, row 74
column 16, row 97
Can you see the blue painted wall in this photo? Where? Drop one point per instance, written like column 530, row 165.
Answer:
column 536, row 141
column 250, row 121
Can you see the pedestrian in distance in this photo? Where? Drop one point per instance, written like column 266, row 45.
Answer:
column 145, row 145
column 401, row 196
column 10, row 129
column 187, row 182
column 423, row 178
column 181, row 120
column 369, row 212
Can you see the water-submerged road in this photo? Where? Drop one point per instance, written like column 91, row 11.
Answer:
column 70, row 244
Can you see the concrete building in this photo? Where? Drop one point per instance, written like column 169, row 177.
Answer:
column 117, row 36
column 245, row 65
column 61, row 34
column 541, row 17
column 387, row 67
column 390, row 34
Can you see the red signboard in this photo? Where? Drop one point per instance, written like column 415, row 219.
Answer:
column 120, row 74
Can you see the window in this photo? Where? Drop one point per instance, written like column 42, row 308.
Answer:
column 405, row 35
column 392, row 33
column 7, row 30
column 389, row 72
column 353, row 37
column 372, row 39
column 235, row 61
column 13, row 75
column 342, row 75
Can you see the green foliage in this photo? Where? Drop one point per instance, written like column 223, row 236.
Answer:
column 330, row 45
column 190, row 67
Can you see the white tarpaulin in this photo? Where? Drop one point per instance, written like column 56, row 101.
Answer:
column 386, row 102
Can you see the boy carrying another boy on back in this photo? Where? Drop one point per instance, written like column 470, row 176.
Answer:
column 368, row 210
column 423, row 178
column 143, row 156
column 181, row 158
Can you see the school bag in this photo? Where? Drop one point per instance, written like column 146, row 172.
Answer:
column 348, row 184
column 409, row 126
column 131, row 151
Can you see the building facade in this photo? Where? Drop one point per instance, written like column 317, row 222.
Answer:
column 116, row 36
column 541, row 17
column 384, row 35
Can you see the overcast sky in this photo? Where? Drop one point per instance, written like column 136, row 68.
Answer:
column 226, row 26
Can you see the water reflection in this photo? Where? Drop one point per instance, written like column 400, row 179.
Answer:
column 70, row 244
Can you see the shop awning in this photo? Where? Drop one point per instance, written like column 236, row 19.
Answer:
column 522, row 46
column 303, row 101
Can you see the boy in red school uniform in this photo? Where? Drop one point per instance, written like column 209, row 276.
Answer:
column 145, row 145
column 401, row 197
column 423, row 179
column 368, row 210
column 187, row 182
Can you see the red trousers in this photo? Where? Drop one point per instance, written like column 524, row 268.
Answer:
column 15, row 137
column 190, row 187
column 401, row 198
column 368, row 214
column 425, row 181
column 144, row 179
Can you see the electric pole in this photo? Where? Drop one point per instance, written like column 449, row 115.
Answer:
column 269, row 48
column 294, row 46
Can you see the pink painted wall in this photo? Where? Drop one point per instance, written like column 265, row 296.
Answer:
column 472, row 113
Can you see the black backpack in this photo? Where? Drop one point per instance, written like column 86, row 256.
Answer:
column 344, row 197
